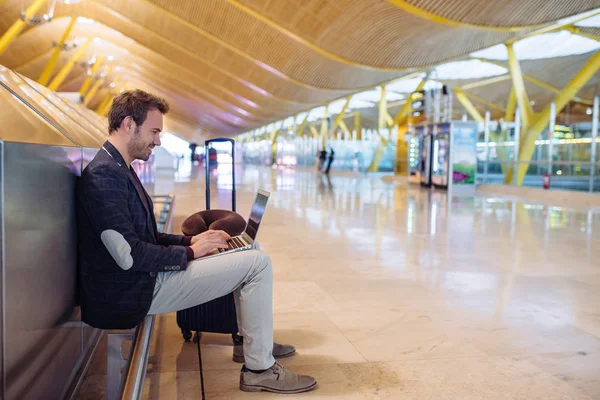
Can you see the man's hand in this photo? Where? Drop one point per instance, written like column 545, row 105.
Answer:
column 204, row 234
column 205, row 242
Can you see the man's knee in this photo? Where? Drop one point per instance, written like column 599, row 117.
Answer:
column 262, row 261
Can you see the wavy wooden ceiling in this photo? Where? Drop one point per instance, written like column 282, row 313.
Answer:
column 230, row 65
column 504, row 13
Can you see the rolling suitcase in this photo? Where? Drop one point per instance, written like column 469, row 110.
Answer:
column 218, row 315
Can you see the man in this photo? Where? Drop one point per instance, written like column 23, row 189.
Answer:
column 330, row 160
column 129, row 270
column 322, row 158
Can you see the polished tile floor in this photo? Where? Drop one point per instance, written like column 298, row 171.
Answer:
column 389, row 291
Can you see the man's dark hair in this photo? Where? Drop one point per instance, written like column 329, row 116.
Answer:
column 135, row 103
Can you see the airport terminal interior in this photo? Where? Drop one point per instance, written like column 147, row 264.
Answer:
column 434, row 177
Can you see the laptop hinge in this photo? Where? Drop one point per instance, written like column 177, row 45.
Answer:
column 247, row 238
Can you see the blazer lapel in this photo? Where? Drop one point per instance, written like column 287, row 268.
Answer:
column 139, row 190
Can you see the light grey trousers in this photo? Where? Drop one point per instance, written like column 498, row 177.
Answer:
column 249, row 275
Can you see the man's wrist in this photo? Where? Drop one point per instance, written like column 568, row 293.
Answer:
column 187, row 241
column 190, row 253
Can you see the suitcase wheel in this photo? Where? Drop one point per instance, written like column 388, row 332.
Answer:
column 187, row 335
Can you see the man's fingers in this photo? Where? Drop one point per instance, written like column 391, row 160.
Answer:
column 225, row 235
column 221, row 234
column 215, row 239
column 212, row 241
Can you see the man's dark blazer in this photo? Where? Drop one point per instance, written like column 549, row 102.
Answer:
column 120, row 249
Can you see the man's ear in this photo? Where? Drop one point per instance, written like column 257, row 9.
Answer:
column 128, row 124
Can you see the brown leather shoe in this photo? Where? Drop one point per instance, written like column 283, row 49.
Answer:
column 279, row 351
column 276, row 379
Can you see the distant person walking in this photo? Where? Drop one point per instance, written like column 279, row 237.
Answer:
column 193, row 147
column 322, row 158
column 330, row 160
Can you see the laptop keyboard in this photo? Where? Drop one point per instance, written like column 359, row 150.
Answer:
column 235, row 243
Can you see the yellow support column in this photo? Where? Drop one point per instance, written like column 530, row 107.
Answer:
column 486, row 82
column 107, row 107
column 19, row 24
column 88, row 81
column 103, row 103
column 533, row 80
column 527, row 146
column 339, row 117
column 509, row 115
column 302, row 126
column 357, row 126
column 405, row 110
column 577, row 31
column 345, row 129
column 45, row 76
column 380, row 150
column 90, row 95
column 108, row 103
column 314, row 131
column 274, row 136
column 66, row 69
column 382, row 110
column 519, row 87
column 466, row 103
column 388, row 119
column 378, row 155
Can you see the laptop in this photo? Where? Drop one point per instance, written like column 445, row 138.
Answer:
column 246, row 240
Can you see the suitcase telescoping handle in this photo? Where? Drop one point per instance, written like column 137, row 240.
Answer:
column 207, row 164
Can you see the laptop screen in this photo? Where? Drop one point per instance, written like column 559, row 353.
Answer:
column 256, row 214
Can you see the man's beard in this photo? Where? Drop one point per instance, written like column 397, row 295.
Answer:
column 138, row 150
